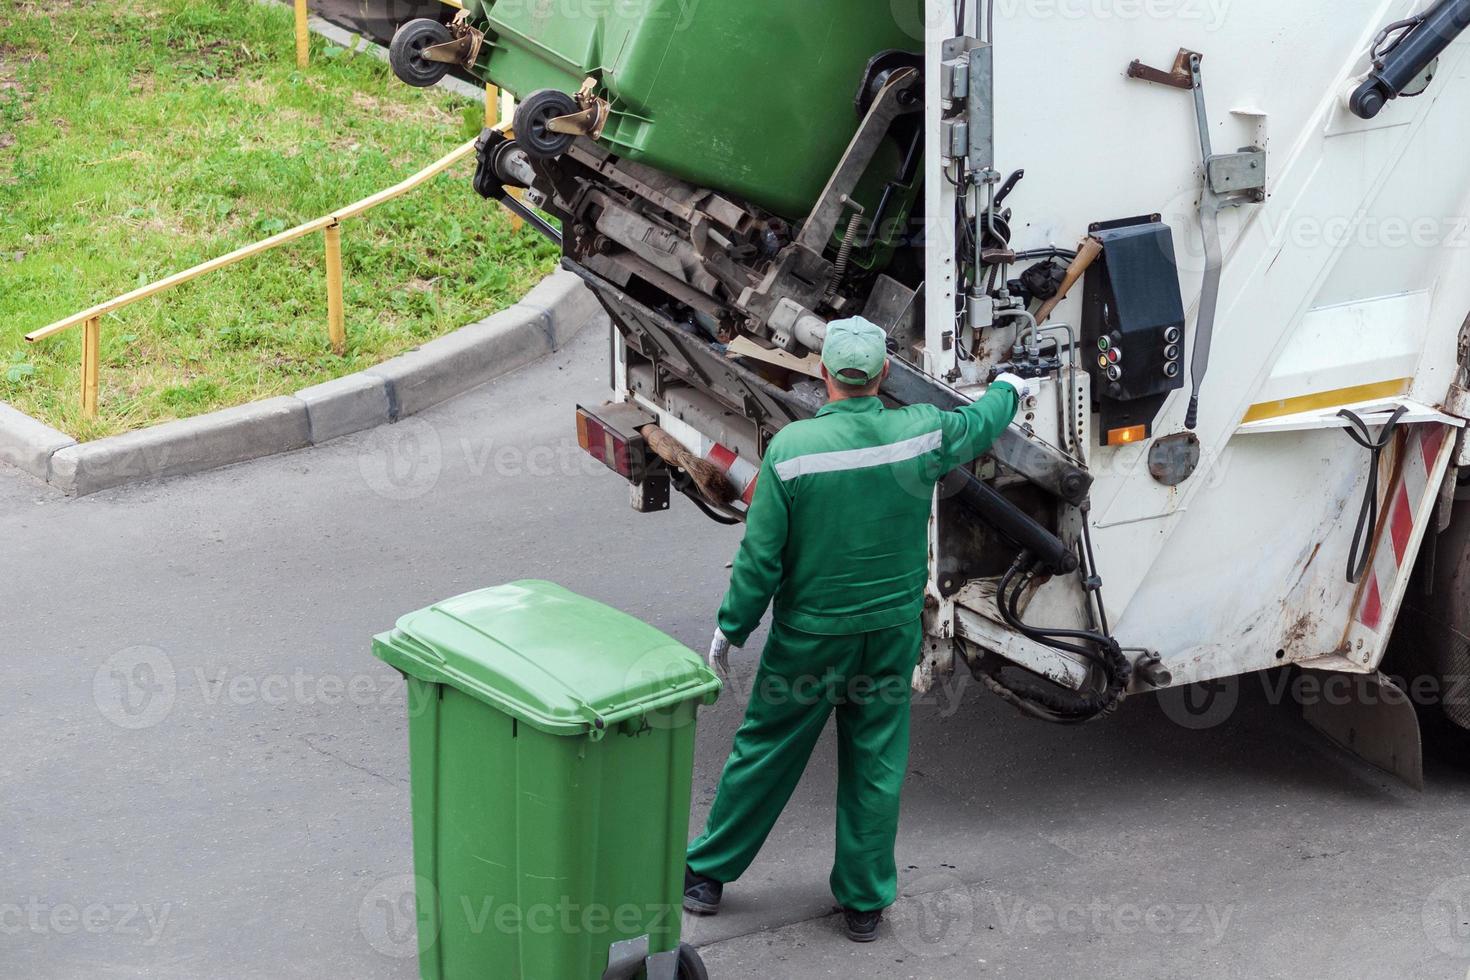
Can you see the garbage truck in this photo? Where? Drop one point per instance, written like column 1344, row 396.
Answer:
column 1229, row 242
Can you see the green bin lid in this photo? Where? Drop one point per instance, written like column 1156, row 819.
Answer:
column 557, row 661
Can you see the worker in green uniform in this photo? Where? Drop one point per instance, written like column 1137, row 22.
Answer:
column 837, row 535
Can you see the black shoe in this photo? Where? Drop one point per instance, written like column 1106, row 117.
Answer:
column 701, row 895
column 862, row 927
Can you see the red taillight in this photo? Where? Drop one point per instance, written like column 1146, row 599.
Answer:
column 604, row 445
column 614, row 436
column 618, row 456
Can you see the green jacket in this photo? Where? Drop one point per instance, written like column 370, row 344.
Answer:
column 837, row 531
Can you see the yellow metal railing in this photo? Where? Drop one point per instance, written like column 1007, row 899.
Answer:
column 329, row 225
column 303, row 37
column 493, row 95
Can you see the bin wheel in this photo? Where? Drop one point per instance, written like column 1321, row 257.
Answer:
column 532, row 115
column 405, row 54
column 691, row 967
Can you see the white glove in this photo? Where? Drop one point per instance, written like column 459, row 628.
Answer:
column 1023, row 387
column 719, row 655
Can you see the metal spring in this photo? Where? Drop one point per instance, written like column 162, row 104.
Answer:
column 844, row 258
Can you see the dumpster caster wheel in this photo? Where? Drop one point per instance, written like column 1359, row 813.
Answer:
column 406, row 53
column 691, row 967
column 532, row 115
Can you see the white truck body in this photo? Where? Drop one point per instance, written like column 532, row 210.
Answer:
column 1348, row 287
column 1341, row 281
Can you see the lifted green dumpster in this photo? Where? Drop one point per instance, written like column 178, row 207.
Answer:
column 551, row 743
column 753, row 98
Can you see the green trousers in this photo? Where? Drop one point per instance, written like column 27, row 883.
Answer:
column 802, row 678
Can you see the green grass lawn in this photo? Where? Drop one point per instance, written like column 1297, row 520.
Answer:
column 139, row 137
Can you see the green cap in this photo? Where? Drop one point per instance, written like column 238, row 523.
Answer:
column 855, row 350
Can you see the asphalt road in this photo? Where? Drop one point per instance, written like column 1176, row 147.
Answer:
column 205, row 770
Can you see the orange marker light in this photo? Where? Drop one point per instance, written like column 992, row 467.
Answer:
column 592, row 437
column 1122, row 437
column 582, row 436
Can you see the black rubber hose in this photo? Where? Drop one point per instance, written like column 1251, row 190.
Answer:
column 685, row 485
column 1094, row 586
column 1362, row 546
column 1052, row 703
column 1012, row 613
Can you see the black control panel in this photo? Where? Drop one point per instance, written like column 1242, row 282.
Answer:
column 1132, row 326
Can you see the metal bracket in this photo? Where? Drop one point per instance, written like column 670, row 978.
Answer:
column 630, row 959
column 588, row 122
column 662, row 966
column 463, row 50
column 1458, row 404
column 625, row 959
column 591, row 120
column 1180, row 76
column 970, row 70
column 1238, row 173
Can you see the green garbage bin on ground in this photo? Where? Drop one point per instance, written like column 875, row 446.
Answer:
column 551, row 744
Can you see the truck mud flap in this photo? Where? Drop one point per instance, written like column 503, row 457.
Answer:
column 1371, row 718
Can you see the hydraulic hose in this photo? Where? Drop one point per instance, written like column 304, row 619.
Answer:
column 687, row 487
column 1049, row 702
column 1362, row 547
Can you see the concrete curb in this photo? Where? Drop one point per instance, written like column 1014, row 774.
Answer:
column 550, row 315
column 29, row 444
column 187, row 446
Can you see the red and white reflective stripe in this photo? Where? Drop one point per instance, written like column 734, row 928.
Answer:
column 741, row 472
column 1421, row 453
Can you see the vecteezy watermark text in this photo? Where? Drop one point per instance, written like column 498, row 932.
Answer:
column 402, row 913
column 138, row 687
column 941, row 916
column 1100, row 917
column 94, row 918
